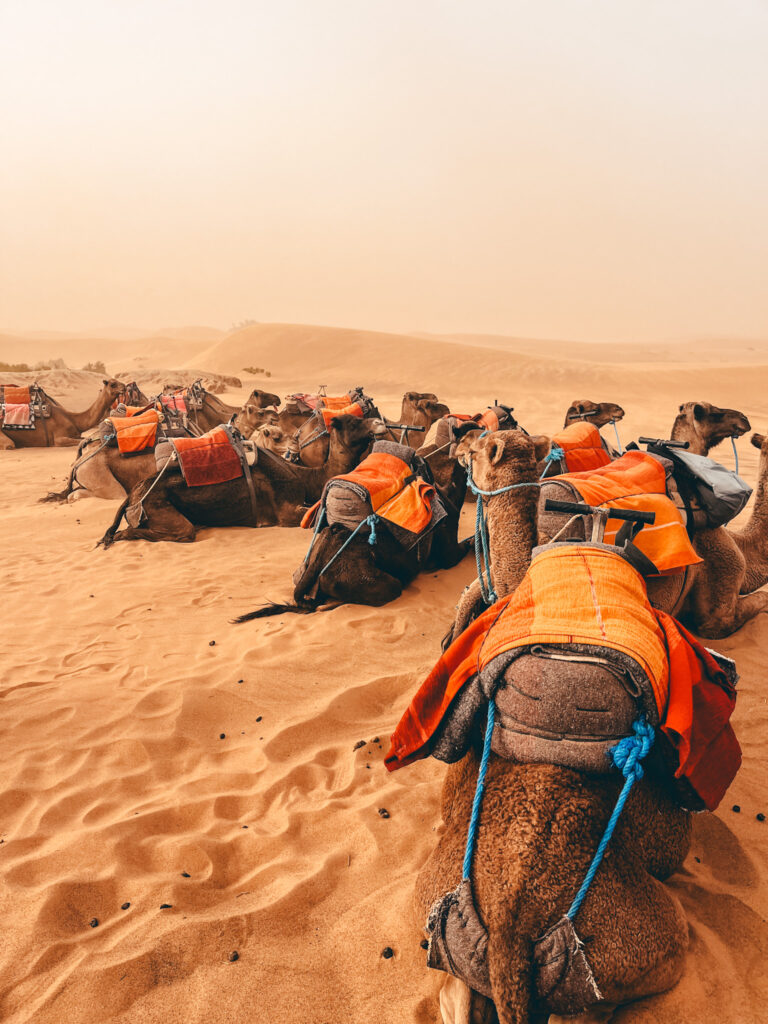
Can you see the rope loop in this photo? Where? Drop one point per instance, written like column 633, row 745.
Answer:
column 735, row 453
column 479, row 790
column 554, row 454
column 618, row 439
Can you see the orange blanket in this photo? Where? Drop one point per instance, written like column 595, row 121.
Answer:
column 568, row 596
column 13, row 395
column 210, row 459
column 396, row 495
column 348, row 410
column 488, row 419
column 136, row 433
column 583, row 447
column 339, row 403
column 638, row 481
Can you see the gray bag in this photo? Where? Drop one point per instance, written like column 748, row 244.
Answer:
column 722, row 493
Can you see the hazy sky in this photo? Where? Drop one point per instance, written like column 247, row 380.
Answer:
column 554, row 168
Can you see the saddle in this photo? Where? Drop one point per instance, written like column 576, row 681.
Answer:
column 577, row 447
column 20, row 405
column 213, row 458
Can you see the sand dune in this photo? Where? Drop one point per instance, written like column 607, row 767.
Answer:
column 122, row 673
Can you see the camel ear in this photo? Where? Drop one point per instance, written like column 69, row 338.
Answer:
column 541, row 446
column 758, row 440
column 495, row 450
column 580, row 408
column 699, row 410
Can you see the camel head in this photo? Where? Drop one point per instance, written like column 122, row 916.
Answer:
column 113, row 389
column 705, row 425
column 353, row 433
column 263, row 399
column 251, row 417
column 499, row 459
column 760, row 441
column 422, row 409
column 598, row 413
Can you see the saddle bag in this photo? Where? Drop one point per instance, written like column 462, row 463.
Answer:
column 703, row 483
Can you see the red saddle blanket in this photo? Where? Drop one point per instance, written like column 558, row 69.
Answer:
column 176, row 403
column 15, row 395
column 210, row 459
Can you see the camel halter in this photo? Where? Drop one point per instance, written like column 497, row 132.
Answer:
column 482, row 550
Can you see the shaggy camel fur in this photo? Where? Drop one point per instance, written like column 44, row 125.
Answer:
column 372, row 574
column 63, row 428
column 709, row 597
column 752, row 541
column 540, row 826
column 173, row 511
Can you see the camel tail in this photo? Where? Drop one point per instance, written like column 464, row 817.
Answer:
column 108, row 538
column 510, row 965
column 273, row 608
column 54, row 496
column 63, row 495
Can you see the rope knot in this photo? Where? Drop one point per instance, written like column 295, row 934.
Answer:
column 371, row 520
column 629, row 752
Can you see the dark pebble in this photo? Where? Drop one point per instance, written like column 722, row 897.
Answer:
column 383, row 812
column 360, row 743
column 166, row 906
column 375, row 739
column 245, row 826
column 736, row 809
column 211, row 643
column 234, row 955
column 125, row 906
column 259, row 718
column 387, row 952
column 424, row 944
column 697, row 859
column 222, row 735
column 95, row 923
column 90, row 595
column 760, row 816
column 185, row 874
column 240, row 681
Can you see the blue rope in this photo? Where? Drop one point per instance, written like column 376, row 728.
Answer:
column 368, row 521
column 482, row 550
column 626, row 756
column 318, row 527
column 479, row 789
column 554, row 454
column 618, row 439
column 735, row 454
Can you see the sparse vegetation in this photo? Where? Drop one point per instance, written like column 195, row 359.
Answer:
column 15, row 367
column 55, row 364
column 243, row 323
column 257, row 371
column 96, row 367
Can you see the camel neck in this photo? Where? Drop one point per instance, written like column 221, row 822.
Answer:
column 512, row 536
column 94, row 414
column 758, row 520
column 684, row 430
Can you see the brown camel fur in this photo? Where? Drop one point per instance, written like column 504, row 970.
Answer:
column 310, row 442
column 752, row 541
column 214, row 411
column 102, row 472
column 540, row 825
column 598, row 413
column 173, row 511
column 419, row 410
column 63, row 428
column 709, row 597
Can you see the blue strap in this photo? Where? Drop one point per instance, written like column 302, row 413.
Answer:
column 479, row 789
column 735, row 454
column 368, row 521
column 626, row 756
column 554, row 454
column 618, row 439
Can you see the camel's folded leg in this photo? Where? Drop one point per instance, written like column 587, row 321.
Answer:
column 66, row 442
column 601, row 1013
column 459, row 1004
column 470, row 605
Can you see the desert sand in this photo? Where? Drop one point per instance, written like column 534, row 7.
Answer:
column 152, row 753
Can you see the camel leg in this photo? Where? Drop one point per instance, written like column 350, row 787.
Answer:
column 459, row 1004
column 162, row 523
column 470, row 605
column 447, row 551
column 66, row 442
column 601, row 1013
column 717, row 614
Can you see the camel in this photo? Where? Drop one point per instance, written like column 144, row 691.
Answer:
column 372, row 574
column 283, row 491
column 712, row 597
column 213, row 411
column 752, row 540
column 63, row 428
column 272, row 437
column 540, row 825
column 100, row 471
column 598, row 413
column 419, row 410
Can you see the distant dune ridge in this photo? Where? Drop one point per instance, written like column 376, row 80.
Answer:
column 153, row 754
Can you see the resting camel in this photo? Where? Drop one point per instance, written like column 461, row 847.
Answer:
column 283, row 492
column 598, row 413
column 100, row 471
column 63, row 428
column 704, row 426
column 372, row 574
column 540, row 825
column 214, row 411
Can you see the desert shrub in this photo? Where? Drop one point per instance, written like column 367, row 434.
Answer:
column 96, row 367
column 15, row 367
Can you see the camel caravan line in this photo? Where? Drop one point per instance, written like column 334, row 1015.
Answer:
column 581, row 723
